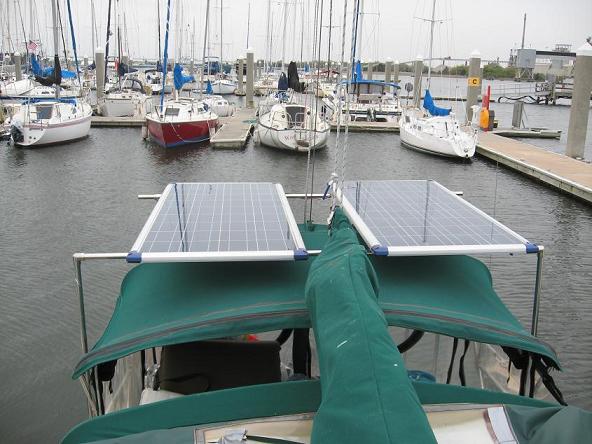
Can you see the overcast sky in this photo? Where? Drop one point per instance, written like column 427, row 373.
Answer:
column 389, row 28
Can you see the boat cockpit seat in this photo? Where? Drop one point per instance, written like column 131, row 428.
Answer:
column 202, row 366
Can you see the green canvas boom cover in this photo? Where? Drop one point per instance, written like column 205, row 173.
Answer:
column 363, row 373
column 172, row 303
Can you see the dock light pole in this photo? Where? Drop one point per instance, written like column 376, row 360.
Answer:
column 250, row 75
column 474, row 84
column 580, row 103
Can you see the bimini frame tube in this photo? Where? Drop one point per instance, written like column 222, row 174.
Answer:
column 91, row 380
column 534, row 323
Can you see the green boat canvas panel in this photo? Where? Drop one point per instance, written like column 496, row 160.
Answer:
column 362, row 372
column 172, row 303
column 176, row 417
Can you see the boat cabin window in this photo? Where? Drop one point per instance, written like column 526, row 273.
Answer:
column 295, row 115
column 44, row 111
column 171, row 112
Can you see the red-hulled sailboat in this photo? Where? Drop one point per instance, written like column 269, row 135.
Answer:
column 182, row 120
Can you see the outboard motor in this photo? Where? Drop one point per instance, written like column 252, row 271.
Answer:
column 16, row 134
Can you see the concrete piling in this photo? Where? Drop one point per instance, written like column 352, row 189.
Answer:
column 580, row 103
column 239, row 75
column 517, row 114
column 474, row 83
column 100, row 73
column 396, row 69
column 250, row 79
column 388, row 69
column 17, row 67
column 417, row 80
column 85, row 67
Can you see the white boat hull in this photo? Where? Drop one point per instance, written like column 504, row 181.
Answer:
column 292, row 139
column 118, row 108
column 458, row 145
column 54, row 131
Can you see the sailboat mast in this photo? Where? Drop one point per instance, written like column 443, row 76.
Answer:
column 56, row 41
column 285, row 24
column 268, row 55
column 432, row 23
column 93, row 28
column 108, row 37
column 248, row 23
column 221, row 44
column 158, row 26
column 205, row 44
column 329, row 44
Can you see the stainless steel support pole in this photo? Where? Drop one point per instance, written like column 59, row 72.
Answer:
column 534, row 323
column 80, row 291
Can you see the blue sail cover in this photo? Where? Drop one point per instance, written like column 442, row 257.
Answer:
column 179, row 78
column 357, row 72
column 46, row 72
column 209, row 89
column 282, row 83
column 428, row 103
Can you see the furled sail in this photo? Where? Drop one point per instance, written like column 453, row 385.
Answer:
column 46, row 77
column 428, row 103
column 180, row 78
column 293, row 79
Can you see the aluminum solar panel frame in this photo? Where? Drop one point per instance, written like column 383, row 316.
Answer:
column 421, row 218
column 220, row 222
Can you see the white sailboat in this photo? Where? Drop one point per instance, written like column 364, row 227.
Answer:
column 292, row 127
column 45, row 122
column 432, row 129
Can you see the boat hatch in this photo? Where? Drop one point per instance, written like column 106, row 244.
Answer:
column 421, row 217
column 171, row 111
column 44, row 111
column 202, row 222
column 295, row 115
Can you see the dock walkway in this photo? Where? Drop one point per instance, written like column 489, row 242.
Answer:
column 235, row 130
column 369, row 127
column 564, row 173
column 116, row 122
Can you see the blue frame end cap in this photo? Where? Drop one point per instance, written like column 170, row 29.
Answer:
column 134, row 257
column 379, row 250
column 531, row 248
column 300, row 255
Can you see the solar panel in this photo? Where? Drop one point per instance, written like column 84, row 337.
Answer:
column 200, row 222
column 421, row 217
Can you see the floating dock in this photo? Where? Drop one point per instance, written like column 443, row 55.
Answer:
column 116, row 122
column 532, row 133
column 235, row 130
column 556, row 170
column 369, row 127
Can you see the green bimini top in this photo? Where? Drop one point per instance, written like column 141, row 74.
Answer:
column 172, row 303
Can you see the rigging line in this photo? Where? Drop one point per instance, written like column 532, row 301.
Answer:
column 74, row 43
column 339, row 107
column 316, row 104
column 308, row 154
column 62, row 34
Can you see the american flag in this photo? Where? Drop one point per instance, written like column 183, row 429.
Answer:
column 32, row 46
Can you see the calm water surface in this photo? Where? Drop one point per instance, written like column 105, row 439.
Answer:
column 82, row 197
